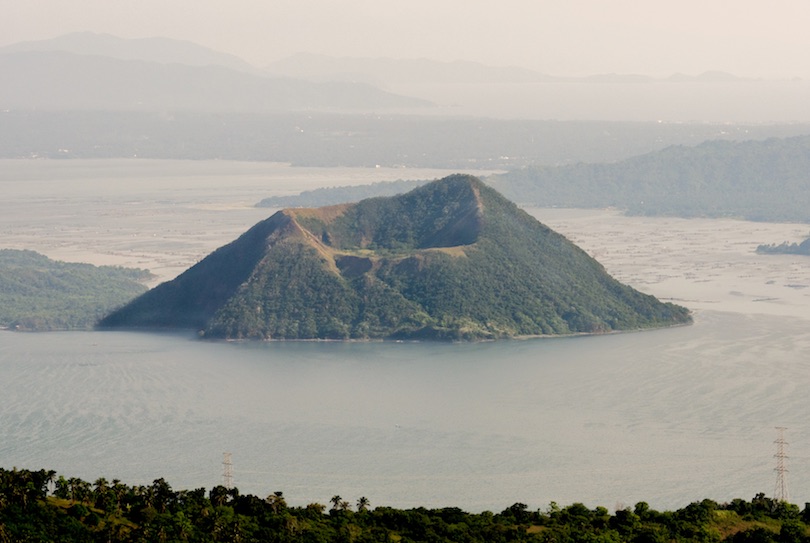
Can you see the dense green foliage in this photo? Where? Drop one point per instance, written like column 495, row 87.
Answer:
column 37, row 293
column 296, row 297
column 786, row 248
column 755, row 180
column 446, row 213
column 449, row 260
column 38, row 506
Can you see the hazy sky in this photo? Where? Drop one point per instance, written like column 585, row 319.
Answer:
column 560, row 37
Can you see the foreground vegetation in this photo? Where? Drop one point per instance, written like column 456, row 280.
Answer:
column 38, row 294
column 38, row 506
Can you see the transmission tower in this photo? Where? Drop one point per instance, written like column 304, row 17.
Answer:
column 780, row 492
column 227, row 471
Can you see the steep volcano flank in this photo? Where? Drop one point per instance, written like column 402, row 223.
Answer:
column 452, row 259
column 438, row 215
column 191, row 299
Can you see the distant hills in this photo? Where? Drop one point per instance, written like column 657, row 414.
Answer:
column 388, row 71
column 156, row 49
column 39, row 294
column 765, row 180
column 450, row 260
column 100, row 72
column 471, row 89
column 393, row 72
column 755, row 180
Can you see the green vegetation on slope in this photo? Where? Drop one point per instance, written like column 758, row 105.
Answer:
column 755, row 180
column 450, row 260
column 110, row 511
column 37, row 293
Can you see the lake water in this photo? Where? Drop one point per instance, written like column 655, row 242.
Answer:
column 667, row 416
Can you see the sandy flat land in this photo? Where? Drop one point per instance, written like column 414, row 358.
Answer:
column 167, row 215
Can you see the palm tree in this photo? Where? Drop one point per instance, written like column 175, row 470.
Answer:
column 218, row 496
column 101, row 493
column 276, row 502
column 119, row 490
column 362, row 504
column 163, row 494
column 48, row 478
column 62, row 489
column 79, row 489
column 315, row 510
column 101, row 485
column 336, row 499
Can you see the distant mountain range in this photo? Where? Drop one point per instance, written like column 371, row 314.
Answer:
column 160, row 50
column 89, row 71
column 315, row 67
column 450, row 260
column 385, row 71
column 394, row 72
column 101, row 72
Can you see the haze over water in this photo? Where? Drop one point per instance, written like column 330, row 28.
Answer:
column 667, row 416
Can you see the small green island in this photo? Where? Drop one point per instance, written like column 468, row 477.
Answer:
column 39, row 506
column 449, row 260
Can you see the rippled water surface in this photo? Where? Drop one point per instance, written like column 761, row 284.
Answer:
column 667, row 416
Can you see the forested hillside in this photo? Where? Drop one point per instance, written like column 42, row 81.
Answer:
column 755, row 180
column 39, row 506
column 37, row 293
